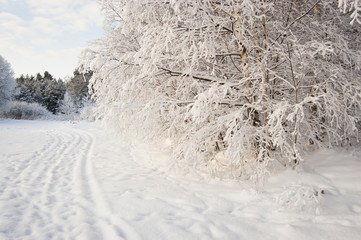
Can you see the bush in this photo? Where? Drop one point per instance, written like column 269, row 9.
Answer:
column 301, row 197
column 88, row 113
column 26, row 111
column 241, row 88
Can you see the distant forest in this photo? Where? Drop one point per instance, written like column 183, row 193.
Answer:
column 32, row 97
column 53, row 93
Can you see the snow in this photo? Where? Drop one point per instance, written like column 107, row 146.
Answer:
column 63, row 180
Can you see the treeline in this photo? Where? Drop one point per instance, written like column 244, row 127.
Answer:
column 40, row 96
column 56, row 95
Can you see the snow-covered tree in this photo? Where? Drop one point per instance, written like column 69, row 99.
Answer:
column 45, row 90
column 7, row 82
column 77, row 88
column 67, row 106
column 239, row 86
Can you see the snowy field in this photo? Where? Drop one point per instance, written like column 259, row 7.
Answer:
column 61, row 180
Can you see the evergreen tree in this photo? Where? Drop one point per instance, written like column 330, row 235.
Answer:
column 23, row 94
column 45, row 90
column 77, row 87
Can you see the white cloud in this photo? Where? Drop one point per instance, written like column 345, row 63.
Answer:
column 12, row 23
column 42, row 41
column 7, row 41
column 52, row 6
column 47, row 34
column 74, row 15
column 46, row 26
column 9, row 17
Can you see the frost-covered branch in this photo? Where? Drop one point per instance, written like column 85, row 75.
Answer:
column 353, row 6
column 239, row 86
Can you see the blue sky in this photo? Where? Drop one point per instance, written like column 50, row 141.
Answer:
column 47, row 35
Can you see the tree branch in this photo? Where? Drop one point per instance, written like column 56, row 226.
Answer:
column 176, row 73
column 238, row 104
column 298, row 18
column 309, row 10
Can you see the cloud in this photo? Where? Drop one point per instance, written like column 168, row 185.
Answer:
column 54, row 17
column 42, row 41
column 12, row 23
column 74, row 15
column 7, row 41
column 56, row 21
column 39, row 35
column 46, row 26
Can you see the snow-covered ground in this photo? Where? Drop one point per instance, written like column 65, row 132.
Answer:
column 61, row 180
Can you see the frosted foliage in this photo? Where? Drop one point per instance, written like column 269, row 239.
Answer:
column 24, row 110
column 300, row 197
column 353, row 6
column 7, row 82
column 238, row 86
column 67, row 106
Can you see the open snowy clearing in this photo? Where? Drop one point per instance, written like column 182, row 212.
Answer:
column 60, row 180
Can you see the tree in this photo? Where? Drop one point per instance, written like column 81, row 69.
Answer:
column 52, row 93
column 239, row 86
column 7, row 82
column 45, row 90
column 77, row 88
column 67, row 106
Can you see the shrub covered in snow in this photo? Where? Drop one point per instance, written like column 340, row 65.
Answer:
column 27, row 111
column 299, row 196
column 87, row 113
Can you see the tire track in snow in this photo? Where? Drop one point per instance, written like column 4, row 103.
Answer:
column 24, row 168
column 54, row 194
column 112, row 227
column 20, row 195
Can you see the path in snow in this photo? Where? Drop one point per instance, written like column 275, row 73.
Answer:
column 48, row 190
column 75, row 181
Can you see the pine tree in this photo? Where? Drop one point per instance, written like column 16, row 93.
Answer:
column 77, row 87
column 45, row 90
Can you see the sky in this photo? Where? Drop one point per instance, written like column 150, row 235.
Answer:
column 47, row 35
